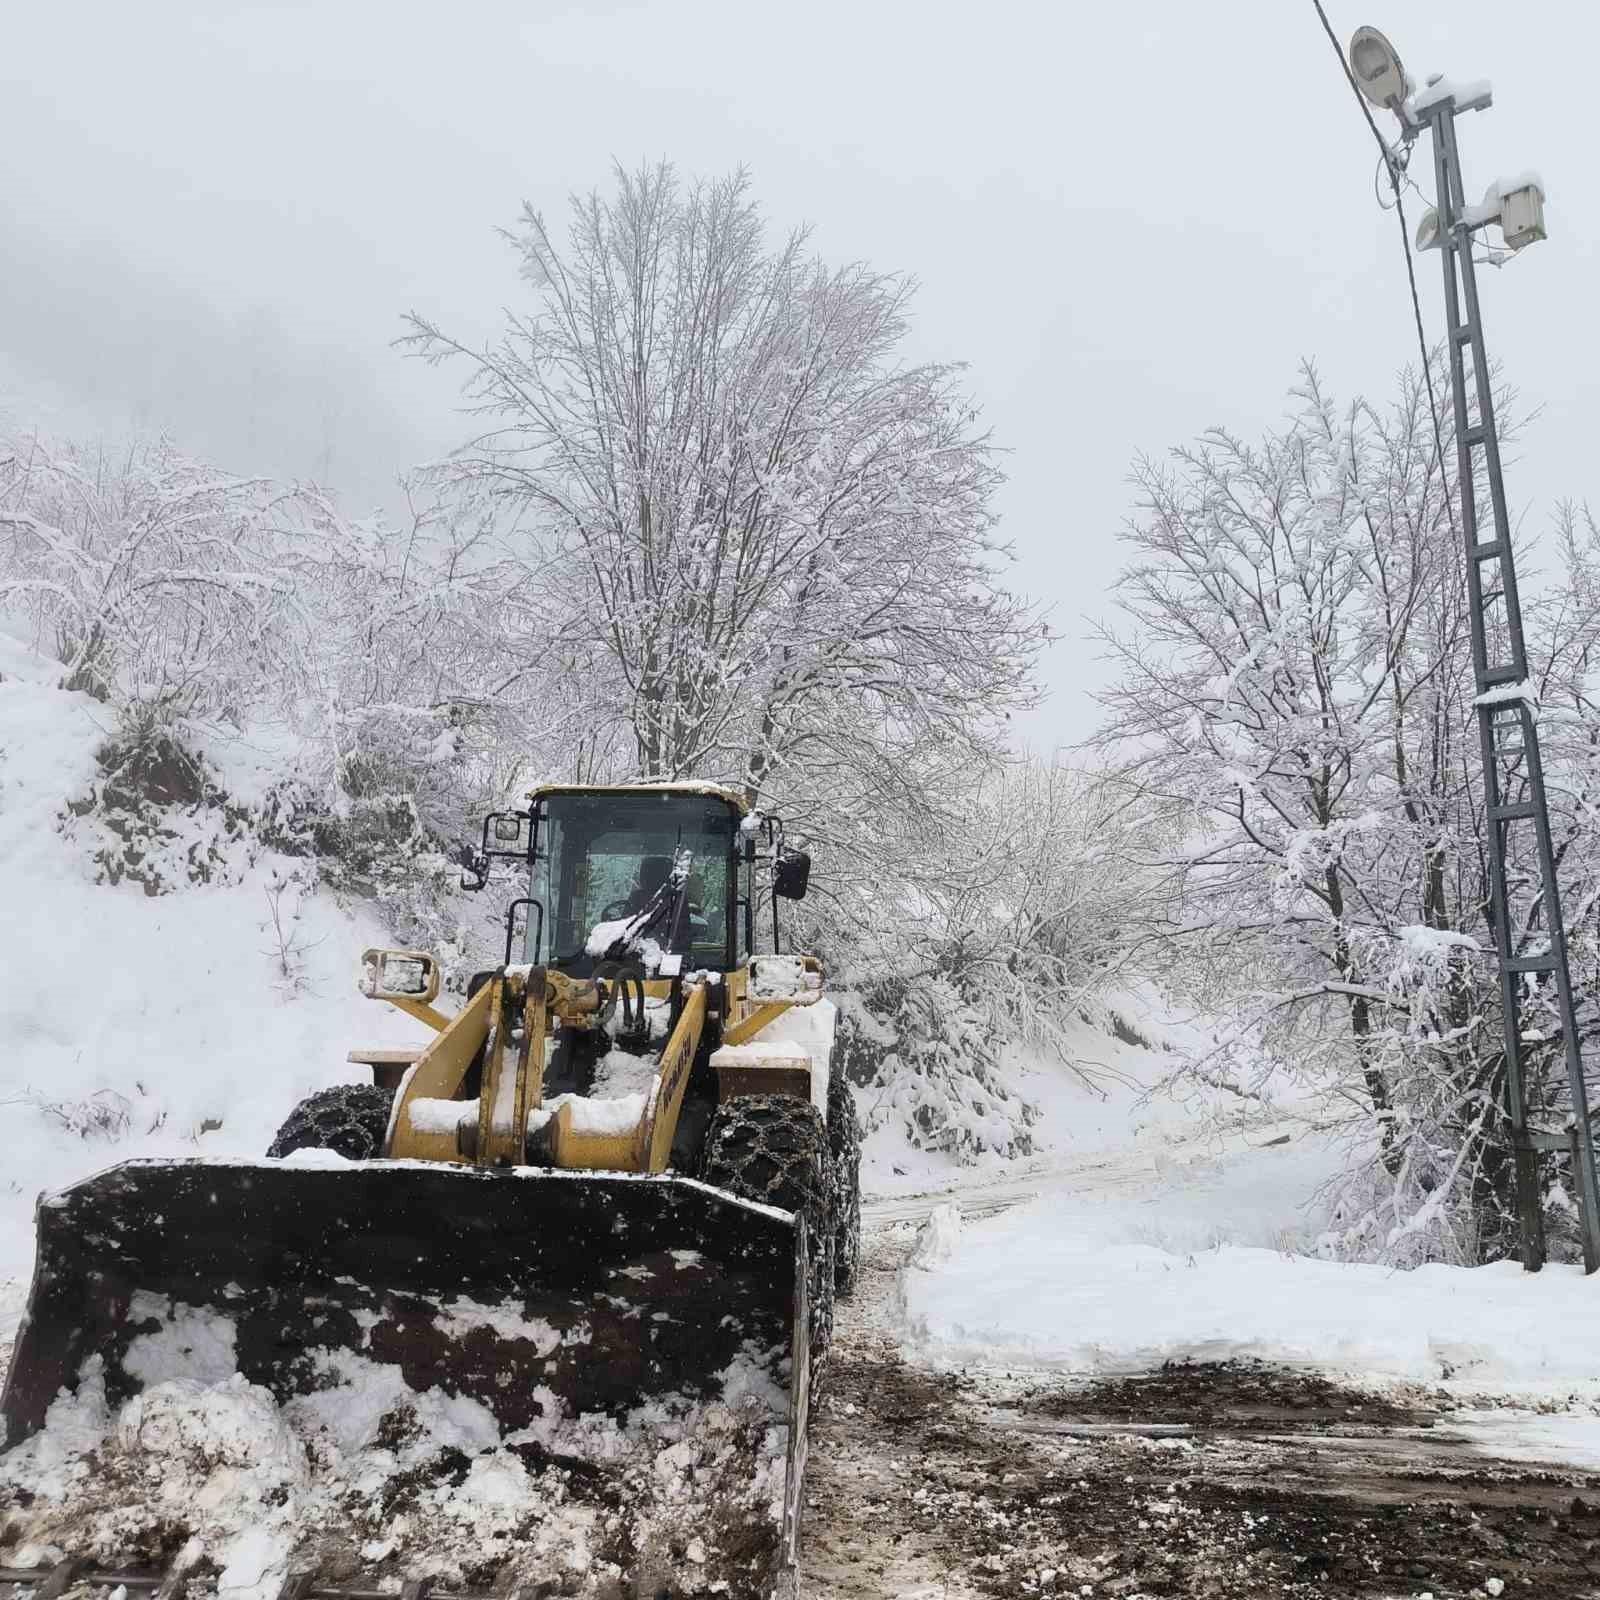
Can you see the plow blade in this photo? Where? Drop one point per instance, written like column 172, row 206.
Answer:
column 597, row 1319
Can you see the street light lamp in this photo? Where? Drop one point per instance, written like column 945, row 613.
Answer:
column 1376, row 65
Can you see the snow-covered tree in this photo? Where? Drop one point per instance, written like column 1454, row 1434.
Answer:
column 154, row 577
column 1298, row 674
column 759, row 542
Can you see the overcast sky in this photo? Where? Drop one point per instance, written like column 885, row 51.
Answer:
column 1131, row 220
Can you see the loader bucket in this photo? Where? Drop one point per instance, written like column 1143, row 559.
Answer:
column 553, row 1300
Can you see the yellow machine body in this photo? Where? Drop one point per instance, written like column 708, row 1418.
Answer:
column 506, row 1029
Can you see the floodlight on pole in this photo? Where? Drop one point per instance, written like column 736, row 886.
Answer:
column 1521, row 211
column 1376, row 65
column 1428, row 229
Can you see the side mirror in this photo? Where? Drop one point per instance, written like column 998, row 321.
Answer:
column 507, row 829
column 791, row 872
column 399, row 975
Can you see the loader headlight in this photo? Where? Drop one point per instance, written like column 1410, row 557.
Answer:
column 399, row 975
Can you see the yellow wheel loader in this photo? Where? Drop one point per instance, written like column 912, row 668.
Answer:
column 607, row 1199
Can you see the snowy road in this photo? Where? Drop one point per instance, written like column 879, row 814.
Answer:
column 980, row 1200
column 1102, row 1176
column 1236, row 1479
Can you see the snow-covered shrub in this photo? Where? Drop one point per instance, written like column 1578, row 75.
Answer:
column 105, row 1114
column 172, row 592
column 156, row 815
column 380, row 851
column 1044, row 902
column 374, row 847
column 287, row 945
column 938, row 1075
column 420, row 701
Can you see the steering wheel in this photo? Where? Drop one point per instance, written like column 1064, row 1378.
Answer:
column 616, row 910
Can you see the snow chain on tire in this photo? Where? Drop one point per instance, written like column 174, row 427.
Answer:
column 774, row 1148
column 844, row 1141
column 351, row 1119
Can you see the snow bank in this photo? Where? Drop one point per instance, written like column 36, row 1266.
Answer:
column 1514, row 1436
column 1036, row 1285
column 938, row 1239
column 1153, row 1231
column 139, row 1026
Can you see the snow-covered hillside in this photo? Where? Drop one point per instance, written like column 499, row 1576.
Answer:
column 139, row 1024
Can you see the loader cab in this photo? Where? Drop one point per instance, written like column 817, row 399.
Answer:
column 600, row 856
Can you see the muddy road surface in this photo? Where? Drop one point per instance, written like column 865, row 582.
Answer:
column 1230, row 1480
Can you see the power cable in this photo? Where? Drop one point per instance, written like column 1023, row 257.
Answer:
column 1402, row 159
column 1396, row 170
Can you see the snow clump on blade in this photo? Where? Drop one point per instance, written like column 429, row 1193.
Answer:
column 368, row 1474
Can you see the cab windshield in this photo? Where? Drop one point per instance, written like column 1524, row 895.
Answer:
column 602, row 857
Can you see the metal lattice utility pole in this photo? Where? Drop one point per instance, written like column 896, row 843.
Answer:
column 1525, row 898
column 1508, row 727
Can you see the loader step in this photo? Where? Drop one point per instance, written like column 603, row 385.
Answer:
column 761, row 1068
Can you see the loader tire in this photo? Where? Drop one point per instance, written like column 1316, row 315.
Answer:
column 774, row 1148
column 351, row 1119
column 844, row 1141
